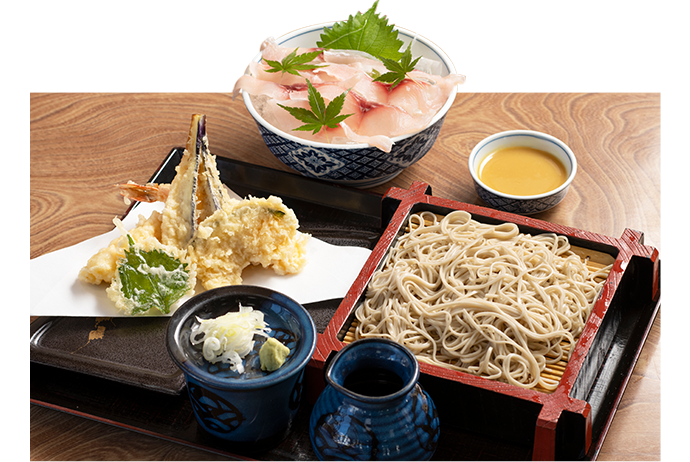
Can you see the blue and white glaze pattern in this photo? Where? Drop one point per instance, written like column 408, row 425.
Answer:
column 363, row 168
column 244, row 416
column 379, row 435
column 519, row 206
column 358, row 167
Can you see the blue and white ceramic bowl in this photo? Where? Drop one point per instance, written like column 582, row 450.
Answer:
column 254, row 410
column 524, row 205
column 359, row 165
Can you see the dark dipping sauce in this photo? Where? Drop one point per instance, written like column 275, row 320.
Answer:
column 373, row 382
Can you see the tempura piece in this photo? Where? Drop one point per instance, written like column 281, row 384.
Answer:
column 201, row 226
column 255, row 231
column 224, row 235
column 151, row 277
column 103, row 265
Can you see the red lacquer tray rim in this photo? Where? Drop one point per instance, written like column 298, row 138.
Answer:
column 553, row 404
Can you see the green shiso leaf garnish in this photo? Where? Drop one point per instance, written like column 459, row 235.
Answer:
column 366, row 32
column 152, row 279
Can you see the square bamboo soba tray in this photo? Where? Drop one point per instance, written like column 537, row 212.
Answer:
column 564, row 423
column 480, row 419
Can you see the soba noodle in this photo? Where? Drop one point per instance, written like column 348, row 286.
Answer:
column 483, row 299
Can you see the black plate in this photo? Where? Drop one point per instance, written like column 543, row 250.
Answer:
column 111, row 347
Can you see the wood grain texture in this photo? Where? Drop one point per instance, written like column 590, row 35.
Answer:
column 82, row 144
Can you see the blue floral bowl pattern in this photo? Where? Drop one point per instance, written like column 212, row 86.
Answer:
column 518, row 205
column 363, row 167
column 253, row 410
column 523, row 205
column 381, row 414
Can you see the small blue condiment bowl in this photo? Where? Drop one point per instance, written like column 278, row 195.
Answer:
column 523, row 205
column 254, row 410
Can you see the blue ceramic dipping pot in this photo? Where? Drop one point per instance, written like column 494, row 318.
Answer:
column 253, row 410
column 372, row 407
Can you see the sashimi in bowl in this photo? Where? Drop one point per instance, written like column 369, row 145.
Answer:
column 386, row 126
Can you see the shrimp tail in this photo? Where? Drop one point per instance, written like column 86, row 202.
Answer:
column 149, row 192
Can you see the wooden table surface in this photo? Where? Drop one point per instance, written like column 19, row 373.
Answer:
column 82, row 144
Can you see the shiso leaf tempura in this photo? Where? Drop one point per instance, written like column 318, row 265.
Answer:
column 150, row 277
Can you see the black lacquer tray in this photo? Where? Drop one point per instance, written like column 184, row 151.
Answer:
column 101, row 388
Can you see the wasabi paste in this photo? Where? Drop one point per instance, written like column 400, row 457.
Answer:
column 272, row 355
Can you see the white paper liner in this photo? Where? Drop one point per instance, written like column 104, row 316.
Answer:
column 56, row 291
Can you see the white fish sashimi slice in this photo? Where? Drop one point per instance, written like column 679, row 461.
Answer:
column 274, row 52
column 423, row 94
column 430, row 66
column 256, row 87
column 328, row 90
column 349, row 57
column 384, row 143
column 260, row 71
column 333, row 73
column 371, row 122
column 358, row 60
column 370, row 92
column 280, row 118
column 279, row 85
column 392, row 121
column 379, row 113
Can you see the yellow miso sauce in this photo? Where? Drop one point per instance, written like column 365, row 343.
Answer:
column 522, row 171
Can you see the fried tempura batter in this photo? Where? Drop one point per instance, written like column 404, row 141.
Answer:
column 103, row 265
column 254, row 231
column 221, row 236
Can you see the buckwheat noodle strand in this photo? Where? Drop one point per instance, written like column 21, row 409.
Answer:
column 483, row 299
